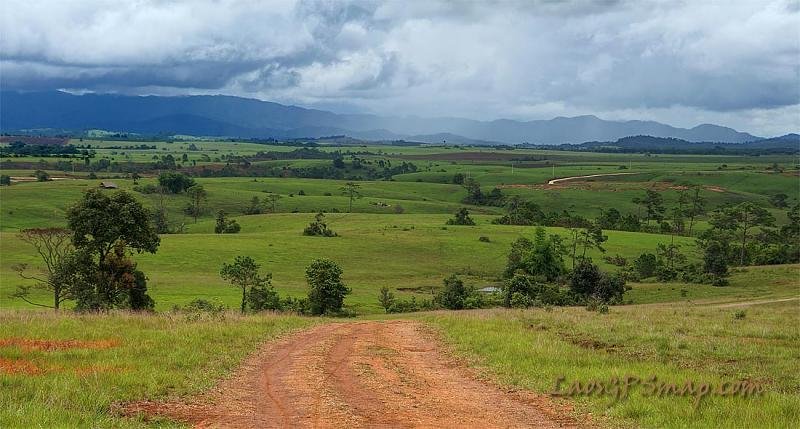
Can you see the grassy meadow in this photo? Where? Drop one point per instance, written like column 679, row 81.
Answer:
column 79, row 366
column 397, row 237
column 530, row 349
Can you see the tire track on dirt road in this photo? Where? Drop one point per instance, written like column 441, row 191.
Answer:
column 359, row 374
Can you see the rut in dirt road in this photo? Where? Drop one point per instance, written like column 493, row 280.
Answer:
column 362, row 374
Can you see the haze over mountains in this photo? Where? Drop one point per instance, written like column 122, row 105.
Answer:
column 250, row 118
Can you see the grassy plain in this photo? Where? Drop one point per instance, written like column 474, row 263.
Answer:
column 675, row 343
column 676, row 331
column 123, row 357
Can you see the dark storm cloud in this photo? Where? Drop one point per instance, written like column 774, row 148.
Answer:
column 684, row 62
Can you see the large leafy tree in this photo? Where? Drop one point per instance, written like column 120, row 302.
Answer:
column 99, row 221
column 104, row 228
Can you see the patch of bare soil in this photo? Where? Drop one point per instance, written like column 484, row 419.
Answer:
column 364, row 374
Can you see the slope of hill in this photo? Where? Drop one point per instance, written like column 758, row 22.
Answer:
column 242, row 117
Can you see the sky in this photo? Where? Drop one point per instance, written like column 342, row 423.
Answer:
column 734, row 63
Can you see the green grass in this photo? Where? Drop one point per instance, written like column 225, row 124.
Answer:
column 157, row 357
column 397, row 251
column 530, row 349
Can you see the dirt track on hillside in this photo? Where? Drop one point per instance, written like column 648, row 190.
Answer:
column 360, row 374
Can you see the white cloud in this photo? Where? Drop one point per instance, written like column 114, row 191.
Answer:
column 685, row 63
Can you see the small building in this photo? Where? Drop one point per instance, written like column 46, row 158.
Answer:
column 108, row 185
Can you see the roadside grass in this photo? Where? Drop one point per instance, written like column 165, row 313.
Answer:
column 146, row 357
column 676, row 343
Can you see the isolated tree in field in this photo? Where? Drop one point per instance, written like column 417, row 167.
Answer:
column 100, row 223
column 197, row 197
column 461, row 218
column 5, row 180
column 458, row 178
column 351, row 190
column 386, row 299
column 41, row 176
column 243, row 274
column 592, row 238
column 273, row 200
column 319, row 228
column 53, row 245
column 135, row 176
column 326, row 289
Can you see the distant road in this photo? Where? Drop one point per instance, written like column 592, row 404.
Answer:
column 564, row 179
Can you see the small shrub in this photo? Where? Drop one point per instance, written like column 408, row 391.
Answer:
column 318, row 228
column 739, row 314
column 483, row 239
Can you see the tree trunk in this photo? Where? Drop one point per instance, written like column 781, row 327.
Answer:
column 244, row 298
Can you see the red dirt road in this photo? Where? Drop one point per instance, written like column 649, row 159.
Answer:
column 362, row 374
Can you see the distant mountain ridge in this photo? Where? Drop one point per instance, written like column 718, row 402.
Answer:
column 218, row 115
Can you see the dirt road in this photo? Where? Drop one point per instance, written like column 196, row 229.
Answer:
column 361, row 374
column 566, row 179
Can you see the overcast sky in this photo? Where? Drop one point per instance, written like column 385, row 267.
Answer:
column 735, row 63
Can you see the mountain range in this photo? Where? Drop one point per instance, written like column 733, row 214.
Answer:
column 217, row 115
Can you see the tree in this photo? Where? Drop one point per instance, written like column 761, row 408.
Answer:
column 53, row 245
column 645, row 265
column 225, row 225
column 461, row 218
column 458, row 179
column 273, row 199
column 679, row 212
column 318, row 228
column 351, row 190
column 747, row 216
column 99, row 221
column 41, row 176
column 175, row 183
column 588, row 281
column 255, row 207
column 717, row 251
column 101, row 224
column 454, row 293
column 326, row 289
column 135, row 176
column 609, row 219
column 592, row 238
column 197, row 196
column 696, row 207
column 243, row 274
column 5, row 180
column 386, row 299
column 654, row 206
column 542, row 257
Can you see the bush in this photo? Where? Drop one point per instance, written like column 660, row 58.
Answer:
column 175, row 183
column 225, row 225
column 454, row 293
column 645, row 265
column 589, row 282
column 739, row 314
column 318, row 228
column 483, row 239
column 461, row 218
column 326, row 289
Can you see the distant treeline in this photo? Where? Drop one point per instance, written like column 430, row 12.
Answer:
column 788, row 144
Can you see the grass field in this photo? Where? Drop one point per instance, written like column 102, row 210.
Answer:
column 675, row 343
column 120, row 357
column 397, row 251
